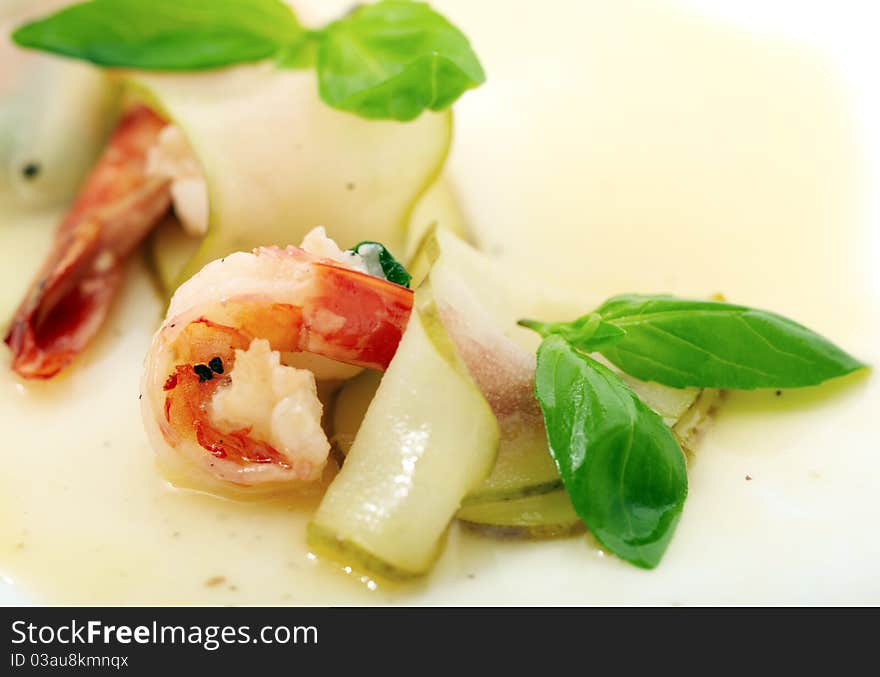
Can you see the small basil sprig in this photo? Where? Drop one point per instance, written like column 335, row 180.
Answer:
column 381, row 263
column 394, row 60
column 708, row 344
column 619, row 462
column 391, row 60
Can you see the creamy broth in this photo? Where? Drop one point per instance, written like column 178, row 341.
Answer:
column 617, row 147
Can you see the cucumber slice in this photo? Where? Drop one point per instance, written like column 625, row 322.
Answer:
column 428, row 439
column 437, row 208
column 54, row 115
column 543, row 516
column 526, row 468
column 170, row 248
column 278, row 161
column 480, row 302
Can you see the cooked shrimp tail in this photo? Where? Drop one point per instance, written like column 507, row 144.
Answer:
column 71, row 295
column 230, row 382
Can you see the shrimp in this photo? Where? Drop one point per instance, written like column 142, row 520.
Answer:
column 219, row 389
column 116, row 208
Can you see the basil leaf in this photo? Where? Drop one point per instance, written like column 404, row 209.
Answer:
column 710, row 344
column 393, row 60
column 301, row 53
column 172, row 35
column 589, row 333
column 619, row 463
column 379, row 260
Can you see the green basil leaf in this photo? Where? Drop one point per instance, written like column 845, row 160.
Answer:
column 166, row 34
column 619, row 463
column 395, row 59
column 380, row 260
column 589, row 333
column 301, row 53
column 710, row 344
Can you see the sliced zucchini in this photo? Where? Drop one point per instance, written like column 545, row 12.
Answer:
column 543, row 516
column 170, row 248
column 490, row 287
column 533, row 513
column 55, row 116
column 526, row 468
column 480, row 303
column 427, row 440
column 487, row 302
column 278, row 161
column 438, row 208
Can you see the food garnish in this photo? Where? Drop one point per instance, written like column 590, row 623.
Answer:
column 707, row 344
column 391, row 60
column 381, row 262
column 620, row 464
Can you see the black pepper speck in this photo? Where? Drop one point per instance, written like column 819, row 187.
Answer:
column 204, row 372
column 31, row 170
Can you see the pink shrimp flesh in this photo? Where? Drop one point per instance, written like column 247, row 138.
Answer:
column 301, row 303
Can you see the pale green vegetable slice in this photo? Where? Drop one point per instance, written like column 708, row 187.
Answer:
column 437, row 208
column 525, row 467
column 55, row 117
column 278, row 161
column 428, row 438
column 541, row 516
column 480, row 302
column 170, row 248
column 530, row 514
column 670, row 403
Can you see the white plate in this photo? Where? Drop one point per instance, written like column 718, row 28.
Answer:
column 618, row 147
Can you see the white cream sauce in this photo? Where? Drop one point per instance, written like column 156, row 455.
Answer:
column 626, row 146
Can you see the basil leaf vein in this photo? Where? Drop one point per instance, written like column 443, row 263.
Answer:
column 619, row 462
